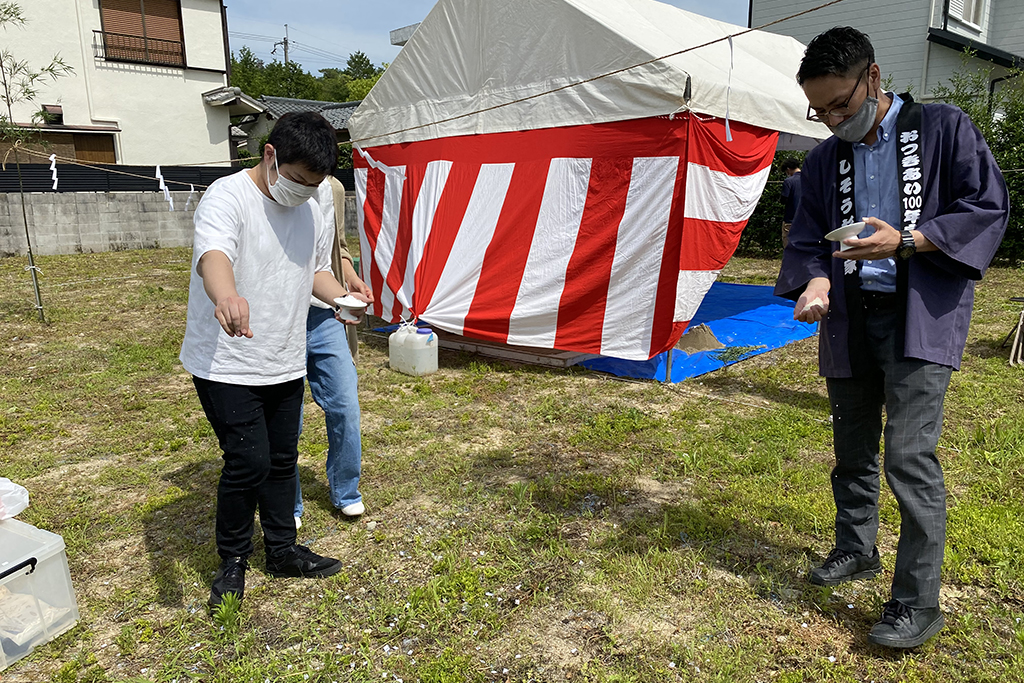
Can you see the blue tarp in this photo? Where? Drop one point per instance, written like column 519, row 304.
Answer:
column 748, row 319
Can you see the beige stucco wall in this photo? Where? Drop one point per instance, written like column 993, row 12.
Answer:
column 160, row 110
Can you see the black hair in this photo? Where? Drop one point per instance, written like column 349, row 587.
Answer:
column 305, row 138
column 839, row 51
column 790, row 164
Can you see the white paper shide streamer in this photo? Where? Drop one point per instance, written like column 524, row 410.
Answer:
column 163, row 186
column 728, row 93
column 53, row 169
column 373, row 163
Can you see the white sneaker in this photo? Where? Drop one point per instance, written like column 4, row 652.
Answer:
column 298, row 523
column 353, row 510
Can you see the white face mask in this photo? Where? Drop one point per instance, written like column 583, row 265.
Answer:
column 288, row 192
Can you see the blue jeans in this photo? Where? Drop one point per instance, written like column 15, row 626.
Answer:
column 332, row 381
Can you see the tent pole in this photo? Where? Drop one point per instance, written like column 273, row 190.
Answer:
column 668, row 367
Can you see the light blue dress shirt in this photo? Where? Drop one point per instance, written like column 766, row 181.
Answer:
column 877, row 194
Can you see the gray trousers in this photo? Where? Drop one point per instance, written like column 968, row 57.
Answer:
column 913, row 392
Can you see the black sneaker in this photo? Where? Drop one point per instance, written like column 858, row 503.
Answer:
column 230, row 578
column 300, row 561
column 841, row 566
column 906, row 627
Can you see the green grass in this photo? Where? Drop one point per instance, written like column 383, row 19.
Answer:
column 523, row 523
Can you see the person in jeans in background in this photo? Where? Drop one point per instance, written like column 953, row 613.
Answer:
column 330, row 368
column 260, row 248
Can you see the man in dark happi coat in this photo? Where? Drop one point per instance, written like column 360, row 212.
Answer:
column 894, row 306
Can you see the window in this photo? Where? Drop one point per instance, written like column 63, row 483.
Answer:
column 967, row 10
column 146, row 31
column 52, row 114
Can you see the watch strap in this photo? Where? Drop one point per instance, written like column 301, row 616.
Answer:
column 907, row 246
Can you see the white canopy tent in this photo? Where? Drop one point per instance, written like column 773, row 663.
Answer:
column 471, row 55
column 523, row 180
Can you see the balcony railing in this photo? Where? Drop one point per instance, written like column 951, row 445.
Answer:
column 120, row 47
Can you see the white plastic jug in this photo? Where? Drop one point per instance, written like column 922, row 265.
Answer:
column 413, row 350
column 396, row 346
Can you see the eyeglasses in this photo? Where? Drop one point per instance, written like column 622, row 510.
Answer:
column 840, row 111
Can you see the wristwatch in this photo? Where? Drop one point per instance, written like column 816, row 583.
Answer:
column 907, row 246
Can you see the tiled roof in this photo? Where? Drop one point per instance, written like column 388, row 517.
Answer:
column 337, row 113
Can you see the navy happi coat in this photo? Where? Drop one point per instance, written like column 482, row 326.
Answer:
column 965, row 212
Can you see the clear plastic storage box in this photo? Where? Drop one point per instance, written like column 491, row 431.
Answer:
column 37, row 602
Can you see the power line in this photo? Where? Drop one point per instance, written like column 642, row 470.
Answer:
column 310, row 35
column 317, row 51
column 251, row 36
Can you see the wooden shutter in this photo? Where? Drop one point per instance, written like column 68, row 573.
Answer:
column 94, row 147
column 123, row 34
column 122, row 16
column 163, row 20
column 163, row 31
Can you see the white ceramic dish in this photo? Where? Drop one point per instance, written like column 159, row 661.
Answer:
column 350, row 307
column 845, row 232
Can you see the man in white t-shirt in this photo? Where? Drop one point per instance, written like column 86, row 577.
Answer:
column 260, row 248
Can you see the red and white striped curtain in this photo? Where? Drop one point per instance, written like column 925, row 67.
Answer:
column 599, row 239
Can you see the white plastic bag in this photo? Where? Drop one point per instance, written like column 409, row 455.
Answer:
column 13, row 498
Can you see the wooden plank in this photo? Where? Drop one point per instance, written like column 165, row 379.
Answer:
column 551, row 358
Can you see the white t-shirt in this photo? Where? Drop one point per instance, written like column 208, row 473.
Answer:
column 325, row 202
column 274, row 252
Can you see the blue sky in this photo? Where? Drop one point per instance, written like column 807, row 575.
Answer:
column 324, row 32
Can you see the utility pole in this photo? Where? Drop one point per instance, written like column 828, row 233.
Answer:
column 283, row 42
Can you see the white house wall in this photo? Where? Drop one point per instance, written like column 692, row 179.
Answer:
column 899, row 30
column 159, row 110
column 1008, row 27
column 204, row 36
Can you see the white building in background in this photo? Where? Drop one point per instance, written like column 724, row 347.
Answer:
column 918, row 42
column 150, row 82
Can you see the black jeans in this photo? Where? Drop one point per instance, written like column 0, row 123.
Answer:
column 912, row 391
column 258, row 430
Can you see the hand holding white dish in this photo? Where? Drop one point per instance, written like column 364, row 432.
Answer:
column 844, row 233
column 350, row 308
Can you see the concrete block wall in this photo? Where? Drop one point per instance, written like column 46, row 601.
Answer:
column 86, row 222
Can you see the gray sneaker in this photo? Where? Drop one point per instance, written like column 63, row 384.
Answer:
column 841, row 566
column 906, row 627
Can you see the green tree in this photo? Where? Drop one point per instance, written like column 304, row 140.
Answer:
column 997, row 108
column 359, row 67
column 360, row 88
column 256, row 77
column 334, row 85
column 19, row 84
column 289, row 80
column 247, row 72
